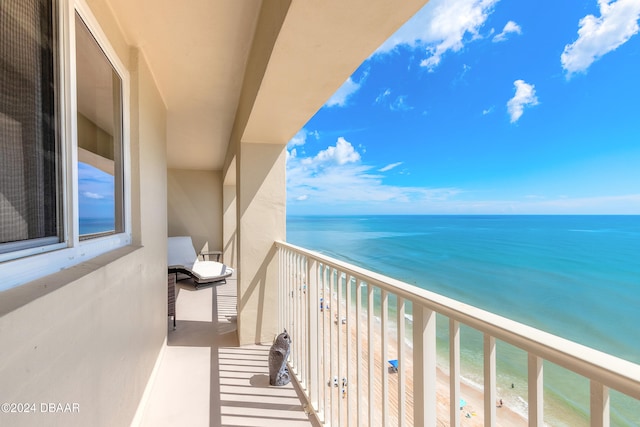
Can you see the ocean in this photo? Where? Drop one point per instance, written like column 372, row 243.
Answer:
column 96, row 225
column 577, row 277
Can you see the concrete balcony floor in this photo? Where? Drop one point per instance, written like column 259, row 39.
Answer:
column 205, row 379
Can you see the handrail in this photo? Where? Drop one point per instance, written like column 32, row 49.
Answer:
column 612, row 371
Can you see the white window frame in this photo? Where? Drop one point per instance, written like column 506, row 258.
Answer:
column 22, row 266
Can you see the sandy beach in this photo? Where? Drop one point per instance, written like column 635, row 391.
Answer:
column 344, row 400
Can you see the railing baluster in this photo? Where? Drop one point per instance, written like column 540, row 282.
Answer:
column 291, row 312
column 489, row 380
column 339, row 347
column 302, row 328
column 291, row 308
column 332, row 361
column 348, row 327
column 370, row 363
column 285, row 295
column 599, row 404
column 281, row 268
column 360, row 417
column 299, row 315
column 295, row 324
column 281, row 305
column 536, row 387
column 325, row 364
column 454, row 373
column 300, row 324
column 401, row 361
column 384, row 306
column 305, row 319
column 424, row 366
column 311, row 338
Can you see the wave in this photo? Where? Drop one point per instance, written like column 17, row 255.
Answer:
column 602, row 230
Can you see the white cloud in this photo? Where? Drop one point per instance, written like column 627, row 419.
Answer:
column 337, row 177
column 510, row 27
column 300, row 138
column 441, row 26
column 400, row 104
column 342, row 95
column 487, row 111
column 389, row 167
column 342, row 153
column 623, row 204
column 330, row 187
column 380, row 98
column 597, row 36
column 91, row 195
column 525, row 97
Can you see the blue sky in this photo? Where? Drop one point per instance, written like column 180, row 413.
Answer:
column 96, row 193
column 483, row 107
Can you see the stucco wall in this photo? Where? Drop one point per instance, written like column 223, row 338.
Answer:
column 195, row 207
column 89, row 336
column 261, row 221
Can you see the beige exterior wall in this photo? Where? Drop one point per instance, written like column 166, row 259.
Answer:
column 261, row 221
column 195, row 207
column 230, row 235
column 90, row 335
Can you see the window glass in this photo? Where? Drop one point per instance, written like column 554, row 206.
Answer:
column 29, row 151
column 99, row 131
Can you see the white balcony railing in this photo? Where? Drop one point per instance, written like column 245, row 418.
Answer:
column 348, row 340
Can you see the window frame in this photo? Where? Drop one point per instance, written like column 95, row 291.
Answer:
column 24, row 265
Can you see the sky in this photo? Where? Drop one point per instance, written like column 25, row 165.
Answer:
column 96, row 193
column 483, row 107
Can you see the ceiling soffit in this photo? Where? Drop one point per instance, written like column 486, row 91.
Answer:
column 197, row 52
column 320, row 44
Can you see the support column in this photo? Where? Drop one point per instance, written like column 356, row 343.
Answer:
column 229, row 219
column 261, row 220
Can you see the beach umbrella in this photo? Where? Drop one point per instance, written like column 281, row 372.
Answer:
column 463, row 403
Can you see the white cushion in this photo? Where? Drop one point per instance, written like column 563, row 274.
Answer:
column 180, row 251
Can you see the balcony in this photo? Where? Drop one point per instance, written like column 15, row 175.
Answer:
column 345, row 323
column 340, row 364
column 203, row 378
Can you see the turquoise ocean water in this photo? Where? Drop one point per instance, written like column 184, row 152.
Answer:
column 96, row 225
column 574, row 276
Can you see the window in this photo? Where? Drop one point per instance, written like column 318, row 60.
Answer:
column 99, row 134
column 29, row 149
column 63, row 139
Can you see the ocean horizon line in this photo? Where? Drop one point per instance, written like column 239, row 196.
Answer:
column 345, row 215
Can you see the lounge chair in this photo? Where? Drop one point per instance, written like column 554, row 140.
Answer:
column 182, row 259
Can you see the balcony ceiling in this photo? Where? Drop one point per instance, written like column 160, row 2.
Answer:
column 199, row 51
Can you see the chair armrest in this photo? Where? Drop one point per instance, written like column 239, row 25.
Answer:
column 217, row 254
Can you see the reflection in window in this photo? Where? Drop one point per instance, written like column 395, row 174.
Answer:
column 100, row 177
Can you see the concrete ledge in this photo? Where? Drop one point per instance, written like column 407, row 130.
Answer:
column 19, row 296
